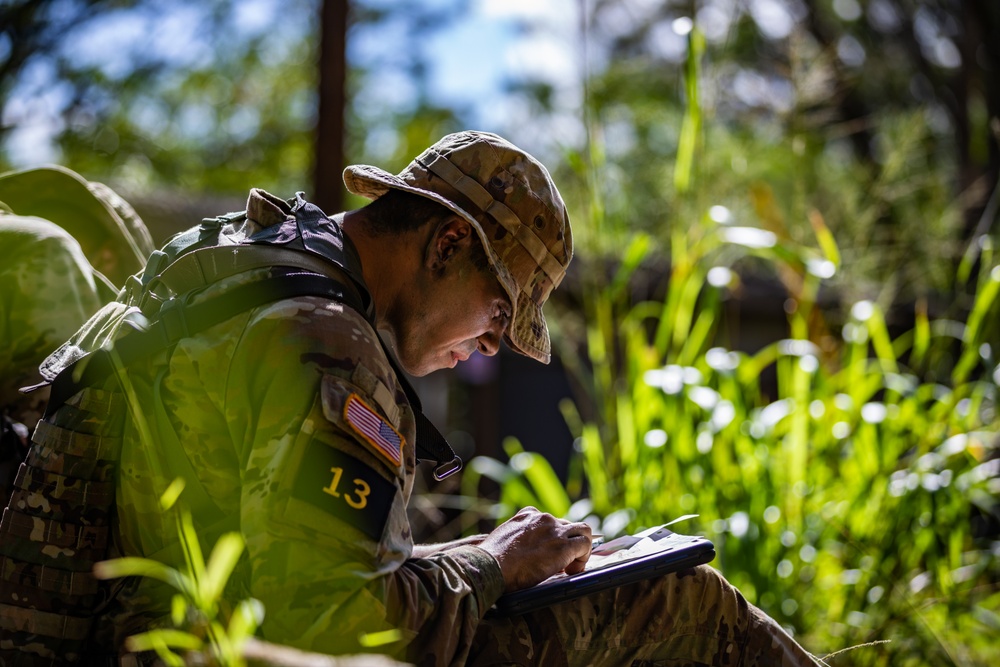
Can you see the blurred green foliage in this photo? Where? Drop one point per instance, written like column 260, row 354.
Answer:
column 896, row 215
column 859, row 502
column 855, row 496
column 184, row 95
column 210, row 96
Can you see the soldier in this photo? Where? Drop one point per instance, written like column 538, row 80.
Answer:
column 48, row 283
column 289, row 420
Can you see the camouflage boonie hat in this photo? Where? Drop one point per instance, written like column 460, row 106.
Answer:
column 85, row 209
column 511, row 201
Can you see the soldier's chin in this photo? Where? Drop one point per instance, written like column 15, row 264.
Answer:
column 418, row 367
column 416, row 363
column 426, row 368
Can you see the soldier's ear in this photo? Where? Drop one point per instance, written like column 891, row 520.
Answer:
column 451, row 236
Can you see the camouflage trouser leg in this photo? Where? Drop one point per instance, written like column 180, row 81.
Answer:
column 694, row 617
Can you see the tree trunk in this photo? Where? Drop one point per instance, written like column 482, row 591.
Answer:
column 328, row 188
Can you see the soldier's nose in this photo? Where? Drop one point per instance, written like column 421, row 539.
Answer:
column 488, row 344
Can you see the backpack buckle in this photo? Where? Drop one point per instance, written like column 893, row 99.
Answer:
column 447, row 469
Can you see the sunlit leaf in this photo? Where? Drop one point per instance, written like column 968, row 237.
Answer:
column 141, row 567
column 825, row 237
column 223, row 559
column 163, row 638
column 377, row 639
column 634, row 254
column 691, row 125
column 191, row 546
column 178, row 609
column 546, row 484
column 986, row 300
column 173, row 491
column 246, row 618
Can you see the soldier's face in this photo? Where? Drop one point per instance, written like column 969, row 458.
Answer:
column 451, row 316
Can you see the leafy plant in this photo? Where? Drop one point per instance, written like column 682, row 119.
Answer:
column 197, row 609
column 849, row 476
column 204, row 623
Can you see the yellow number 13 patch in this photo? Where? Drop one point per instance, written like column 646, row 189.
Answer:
column 361, row 489
column 345, row 488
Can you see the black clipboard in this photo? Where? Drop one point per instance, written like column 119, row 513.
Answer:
column 624, row 560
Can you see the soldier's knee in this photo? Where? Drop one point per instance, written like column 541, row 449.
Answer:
column 709, row 579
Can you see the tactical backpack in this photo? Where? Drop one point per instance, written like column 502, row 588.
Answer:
column 13, row 447
column 58, row 522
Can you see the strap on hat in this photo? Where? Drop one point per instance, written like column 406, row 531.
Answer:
column 499, row 211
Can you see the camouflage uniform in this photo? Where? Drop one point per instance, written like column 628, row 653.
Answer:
column 46, row 291
column 693, row 618
column 48, row 287
column 320, row 500
column 296, row 428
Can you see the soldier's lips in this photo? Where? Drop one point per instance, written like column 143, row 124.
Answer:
column 457, row 357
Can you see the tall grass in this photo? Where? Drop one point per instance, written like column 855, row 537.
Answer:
column 854, row 497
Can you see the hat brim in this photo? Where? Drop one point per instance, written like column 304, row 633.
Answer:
column 527, row 319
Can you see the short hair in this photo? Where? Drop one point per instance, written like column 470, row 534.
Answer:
column 398, row 211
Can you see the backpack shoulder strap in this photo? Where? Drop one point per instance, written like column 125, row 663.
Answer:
column 204, row 266
column 177, row 319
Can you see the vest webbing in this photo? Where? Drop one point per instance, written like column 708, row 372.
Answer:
column 56, row 526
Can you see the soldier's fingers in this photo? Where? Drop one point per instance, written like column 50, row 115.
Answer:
column 580, row 546
column 580, row 550
column 576, row 566
column 579, row 528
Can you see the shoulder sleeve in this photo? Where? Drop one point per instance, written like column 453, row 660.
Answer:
column 47, row 291
column 327, row 444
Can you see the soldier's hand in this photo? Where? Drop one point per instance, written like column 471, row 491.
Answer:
column 532, row 546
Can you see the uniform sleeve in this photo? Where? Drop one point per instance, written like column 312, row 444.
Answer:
column 328, row 460
column 47, row 290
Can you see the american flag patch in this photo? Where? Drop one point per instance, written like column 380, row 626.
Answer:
column 374, row 429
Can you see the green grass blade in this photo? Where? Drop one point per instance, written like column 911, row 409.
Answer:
column 169, row 497
column 637, row 251
column 986, row 299
column 225, row 555
column 164, row 638
column 824, row 236
column 143, row 567
column 378, row 639
column 191, row 546
column 247, row 617
column 691, row 125
column 881, row 341
column 544, row 482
